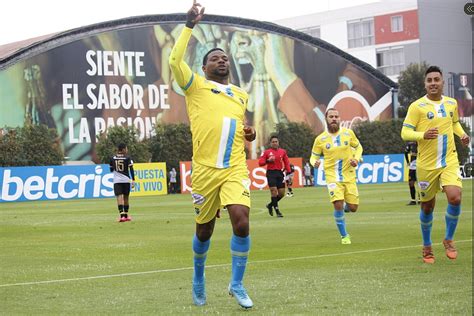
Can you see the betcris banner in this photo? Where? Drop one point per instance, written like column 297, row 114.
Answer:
column 75, row 182
column 373, row 169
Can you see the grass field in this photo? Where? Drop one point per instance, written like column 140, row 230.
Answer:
column 73, row 258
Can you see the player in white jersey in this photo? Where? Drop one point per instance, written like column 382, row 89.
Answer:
column 124, row 176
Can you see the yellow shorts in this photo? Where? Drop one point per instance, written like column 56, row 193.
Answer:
column 346, row 191
column 213, row 188
column 430, row 181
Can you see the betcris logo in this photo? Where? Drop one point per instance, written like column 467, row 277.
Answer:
column 373, row 169
column 55, row 183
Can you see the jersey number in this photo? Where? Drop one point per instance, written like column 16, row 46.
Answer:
column 119, row 166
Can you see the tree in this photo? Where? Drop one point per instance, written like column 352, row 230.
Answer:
column 30, row 145
column 172, row 143
column 380, row 137
column 411, row 86
column 296, row 138
column 108, row 142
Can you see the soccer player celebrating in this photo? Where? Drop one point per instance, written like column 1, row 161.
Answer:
column 276, row 160
column 431, row 121
column 216, row 112
column 122, row 167
column 342, row 153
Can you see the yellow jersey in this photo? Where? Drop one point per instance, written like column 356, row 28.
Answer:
column 337, row 149
column 216, row 112
column 424, row 114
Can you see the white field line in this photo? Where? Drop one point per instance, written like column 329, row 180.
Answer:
column 216, row 265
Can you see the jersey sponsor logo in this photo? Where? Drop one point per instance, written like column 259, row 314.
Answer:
column 198, row 199
column 423, row 184
column 430, row 115
column 422, row 104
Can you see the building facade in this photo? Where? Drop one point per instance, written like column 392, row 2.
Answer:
column 391, row 34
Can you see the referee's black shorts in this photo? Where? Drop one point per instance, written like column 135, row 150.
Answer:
column 275, row 178
column 412, row 175
column 121, row 188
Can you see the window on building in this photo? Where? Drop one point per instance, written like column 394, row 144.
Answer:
column 360, row 33
column 314, row 31
column 391, row 61
column 397, row 23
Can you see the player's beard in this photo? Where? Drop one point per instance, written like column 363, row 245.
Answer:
column 333, row 128
column 221, row 74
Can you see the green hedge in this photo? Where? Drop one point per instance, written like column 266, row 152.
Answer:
column 30, row 145
column 108, row 142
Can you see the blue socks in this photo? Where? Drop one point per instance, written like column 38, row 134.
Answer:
column 239, row 249
column 340, row 222
column 426, row 222
column 452, row 216
column 200, row 253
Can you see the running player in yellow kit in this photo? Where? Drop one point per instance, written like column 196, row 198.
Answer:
column 216, row 112
column 342, row 152
column 431, row 121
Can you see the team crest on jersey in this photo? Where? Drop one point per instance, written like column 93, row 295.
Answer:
column 229, row 92
column 430, row 115
column 423, row 185
column 197, row 210
column 198, row 199
column 328, row 146
column 346, row 143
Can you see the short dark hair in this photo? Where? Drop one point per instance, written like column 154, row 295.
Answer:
column 433, row 69
column 204, row 60
column 121, row 146
column 273, row 136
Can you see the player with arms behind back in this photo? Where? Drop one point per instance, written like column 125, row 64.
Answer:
column 122, row 167
column 216, row 112
column 342, row 153
column 432, row 121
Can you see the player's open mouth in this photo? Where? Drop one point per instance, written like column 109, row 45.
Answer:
column 245, row 72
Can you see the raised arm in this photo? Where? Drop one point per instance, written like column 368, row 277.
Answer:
column 181, row 71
